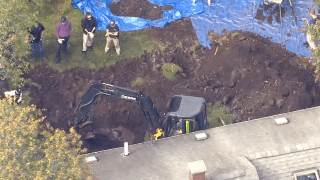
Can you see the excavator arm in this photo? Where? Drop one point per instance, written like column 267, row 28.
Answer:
column 144, row 101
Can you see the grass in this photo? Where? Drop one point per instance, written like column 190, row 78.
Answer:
column 216, row 111
column 133, row 44
column 234, row 34
column 31, row 83
column 26, row 98
column 179, row 44
column 147, row 137
column 161, row 46
column 138, row 82
column 196, row 44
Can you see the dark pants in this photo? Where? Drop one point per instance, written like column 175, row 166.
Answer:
column 62, row 47
column 33, row 48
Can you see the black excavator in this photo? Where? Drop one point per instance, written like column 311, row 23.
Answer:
column 187, row 113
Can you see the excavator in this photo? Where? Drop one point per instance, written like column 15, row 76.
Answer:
column 187, row 113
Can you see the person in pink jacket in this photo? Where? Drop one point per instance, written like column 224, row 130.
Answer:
column 63, row 32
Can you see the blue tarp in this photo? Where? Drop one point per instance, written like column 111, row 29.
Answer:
column 99, row 9
column 240, row 15
column 222, row 14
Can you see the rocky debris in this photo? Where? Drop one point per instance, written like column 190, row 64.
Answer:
column 285, row 92
column 271, row 102
column 227, row 99
column 279, row 103
column 234, row 78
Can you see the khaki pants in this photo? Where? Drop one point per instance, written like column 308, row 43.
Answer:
column 116, row 43
column 87, row 41
column 311, row 42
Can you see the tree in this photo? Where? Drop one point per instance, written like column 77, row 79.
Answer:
column 315, row 33
column 17, row 16
column 29, row 151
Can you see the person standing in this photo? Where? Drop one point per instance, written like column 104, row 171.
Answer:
column 313, row 21
column 35, row 40
column 63, row 32
column 89, row 25
column 112, row 34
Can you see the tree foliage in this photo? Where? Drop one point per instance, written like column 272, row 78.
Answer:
column 314, row 30
column 17, row 16
column 315, row 33
column 28, row 151
column 218, row 111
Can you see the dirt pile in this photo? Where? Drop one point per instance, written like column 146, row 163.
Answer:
column 251, row 75
column 138, row 8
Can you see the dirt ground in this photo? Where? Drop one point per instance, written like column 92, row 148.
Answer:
column 251, row 75
column 272, row 11
column 138, row 8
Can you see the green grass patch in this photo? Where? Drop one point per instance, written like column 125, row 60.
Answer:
column 195, row 45
column 26, row 99
column 137, row 82
column 169, row 70
column 216, row 111
column 147, row 137
column 133, row 44
column 31, row 83
column 234, row 34
column 160, row 45
column 179, row 44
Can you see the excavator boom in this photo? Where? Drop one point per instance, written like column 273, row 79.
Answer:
column 144, row 101
column 187, row 110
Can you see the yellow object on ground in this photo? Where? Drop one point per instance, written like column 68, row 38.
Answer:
column 158, row 134
column 215, row 53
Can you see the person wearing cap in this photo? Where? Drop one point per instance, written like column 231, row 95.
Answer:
column 313, row 21
column 35, row 39
column 112, row 34
column 89, row 25
column 63, row 32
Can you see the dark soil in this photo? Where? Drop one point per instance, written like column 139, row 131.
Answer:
column 138, row 8
column 272, row 11
column 251, row 75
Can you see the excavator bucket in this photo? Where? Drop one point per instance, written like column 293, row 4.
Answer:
column 86, row 103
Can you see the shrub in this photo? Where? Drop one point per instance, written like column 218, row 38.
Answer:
column 137, row 82
column 216, row 111
column 31, row 151
column 315, row 33
column 169, row 70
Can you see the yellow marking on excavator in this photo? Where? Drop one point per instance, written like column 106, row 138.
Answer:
column 187, row 127
column 159, row 133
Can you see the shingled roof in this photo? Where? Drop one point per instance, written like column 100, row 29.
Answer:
column 256, row 149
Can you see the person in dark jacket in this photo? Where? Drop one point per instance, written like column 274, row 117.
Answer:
column 89, row 25
column 112, row 34
column 35, row 40
column 63, row 32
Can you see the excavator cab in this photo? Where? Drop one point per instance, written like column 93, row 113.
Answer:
column 187, row 114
